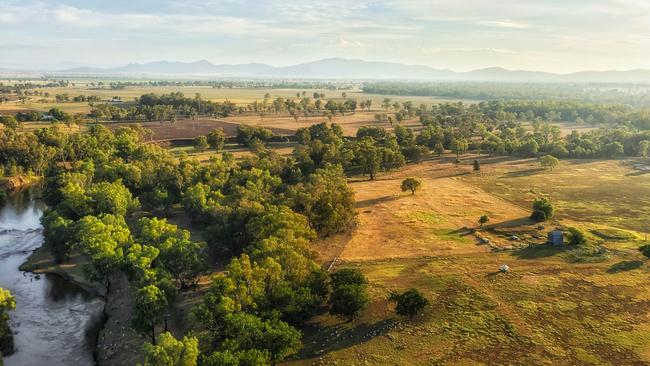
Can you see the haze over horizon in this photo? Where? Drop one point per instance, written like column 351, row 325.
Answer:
column 551, row 36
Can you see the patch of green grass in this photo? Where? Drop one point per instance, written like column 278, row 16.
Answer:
column 428, row 217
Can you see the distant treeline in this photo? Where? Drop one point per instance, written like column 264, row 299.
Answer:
column 230, row 84
column 608, row 93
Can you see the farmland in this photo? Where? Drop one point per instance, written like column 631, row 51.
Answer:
column 583, row 303
column 547, row 309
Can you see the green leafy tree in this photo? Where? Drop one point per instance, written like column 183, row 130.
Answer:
column 549, row 161
column 613, row 150
column 217, row 139
column 58, row 234
column 439, row 148
column 250, row 357
column 543, row 206
column 148, row 310
column 7, row 303
column 576, row 237
column 200, row 143
column 369, row 156
column 644, row 148
column 104, row 240
column 410, row 303
column 349, row 301
column 111, row 198
column 349, row 295
column 459, row 146
column 172, row 352
column 411, row 184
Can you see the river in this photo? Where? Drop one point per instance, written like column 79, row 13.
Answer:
column 55, row 322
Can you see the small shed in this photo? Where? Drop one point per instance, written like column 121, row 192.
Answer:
column 556, row 237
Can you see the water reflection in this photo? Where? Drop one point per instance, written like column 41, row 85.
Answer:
column 56, row 322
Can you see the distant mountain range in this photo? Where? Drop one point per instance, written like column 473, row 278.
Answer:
column 340, row 68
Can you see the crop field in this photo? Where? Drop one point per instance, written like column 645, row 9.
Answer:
column 554, row 306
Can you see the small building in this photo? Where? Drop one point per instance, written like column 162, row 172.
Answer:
column 556, row 237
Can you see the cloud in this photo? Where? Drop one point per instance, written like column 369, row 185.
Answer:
column 429, row 50
column 502, row 24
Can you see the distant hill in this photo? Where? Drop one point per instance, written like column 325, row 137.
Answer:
column 340, row 68
column 202, row 67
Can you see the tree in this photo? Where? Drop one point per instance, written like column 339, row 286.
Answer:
column 542, row 210
column 459, row 146
column 576, row 237
column 7, row 303
column 111, row 198
column 476, row 166
column 439, row 149
column 250, row 357
column 349, row 296
column 171, row 352
column 369, row 157
column 613, row 150
column 644, row 147
column 216, row 139
column 349, row 301
column 348, row 276
column 10, row 122
column 103, row 239
column 409, row 303
column 200, row 143
column 549, row 161
column 411, row 184
column 148, row 309
column 483, row 220
column 58, row 233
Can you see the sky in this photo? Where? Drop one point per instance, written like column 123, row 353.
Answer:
column 553, row 35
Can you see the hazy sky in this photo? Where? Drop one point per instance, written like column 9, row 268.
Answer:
column 551, row 35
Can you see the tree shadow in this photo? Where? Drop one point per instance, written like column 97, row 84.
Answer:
column 378, row 200
column 463, row 231
column 537, row 251
column 320, row 340
column 624, row 266
column 524, row 173
column 636, row 173
column 523, row 221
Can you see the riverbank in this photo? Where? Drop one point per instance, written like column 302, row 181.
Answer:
column 18, row 182
column 117, row 343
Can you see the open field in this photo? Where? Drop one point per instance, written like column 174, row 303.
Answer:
column 549, row 309
column 239, row 96
column 604, row 192
column 186, row 128
column 350, row 122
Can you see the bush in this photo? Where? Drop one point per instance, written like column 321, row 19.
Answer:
column 538, row 216
column 544, row 206
column 576, row 237
column 409, row 303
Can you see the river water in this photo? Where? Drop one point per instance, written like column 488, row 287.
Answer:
column 55, row 321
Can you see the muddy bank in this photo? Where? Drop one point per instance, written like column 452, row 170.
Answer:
column 17, row 182
column 117, row 343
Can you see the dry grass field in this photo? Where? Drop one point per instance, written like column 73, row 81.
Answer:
column 239, row 96
column 555, row 306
